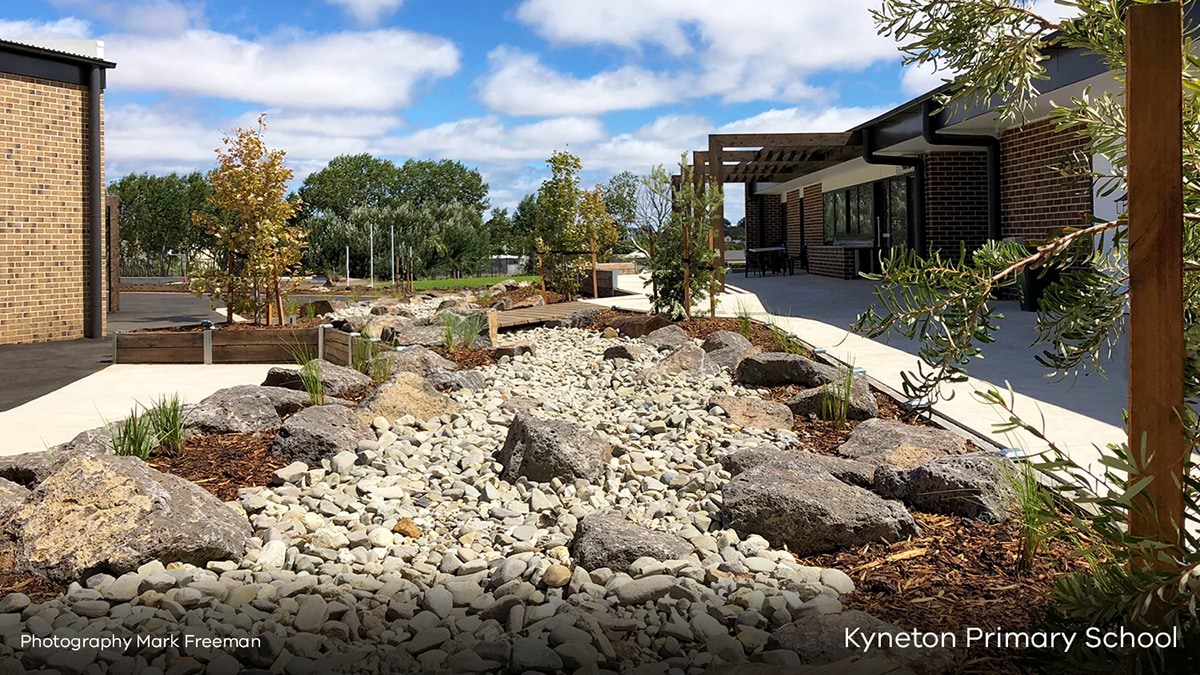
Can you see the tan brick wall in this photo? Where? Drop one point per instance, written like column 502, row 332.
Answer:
column 44, row 210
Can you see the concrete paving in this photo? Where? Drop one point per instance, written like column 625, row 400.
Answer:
column 109, row 395
column 819, row 311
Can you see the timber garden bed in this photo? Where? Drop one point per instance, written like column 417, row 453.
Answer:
column 233, row 344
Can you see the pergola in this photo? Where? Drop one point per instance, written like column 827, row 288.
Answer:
column 768, row 158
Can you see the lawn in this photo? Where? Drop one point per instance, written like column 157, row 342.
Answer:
column 466, row 282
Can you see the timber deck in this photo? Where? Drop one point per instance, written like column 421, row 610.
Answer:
column 531, row 316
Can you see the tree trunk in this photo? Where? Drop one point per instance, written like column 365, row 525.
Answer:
column 229, row 295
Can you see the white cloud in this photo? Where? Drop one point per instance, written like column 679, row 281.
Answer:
column 488, row 140
column 368, row 12
column 520, row 84
column 793, row 120
column 69, row 28
column 140, row 16
column 367, row 70
column 741, row 54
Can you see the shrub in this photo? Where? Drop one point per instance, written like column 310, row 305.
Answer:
column 835, row 397
column 134, row 437
column 165, row 417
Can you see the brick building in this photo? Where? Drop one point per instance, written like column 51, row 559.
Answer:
column 52, row 243
column 933, row 179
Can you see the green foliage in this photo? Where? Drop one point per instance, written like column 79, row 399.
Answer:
column 558, row 233
column 745, row 322
column 462, row 330
column 309, row 373
column 836, row 395
column 349, row 182
column 621, row 201
column 156, row 220
column 1038, row 517
column 371, row 358
column 165, row 417
column 425, row 183
column 133, row 437
column 681, row 240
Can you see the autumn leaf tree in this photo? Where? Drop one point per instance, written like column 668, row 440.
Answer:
column 249, row 193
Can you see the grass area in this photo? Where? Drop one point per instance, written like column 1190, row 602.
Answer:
column 467, row 282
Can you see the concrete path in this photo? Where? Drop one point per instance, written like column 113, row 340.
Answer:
column 1075, row 422
column 109, row 395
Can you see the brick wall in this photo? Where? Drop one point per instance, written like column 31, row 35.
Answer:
column 1036, row 197
column 774, row 219
column 828, row 261
column 44, row 210
column 795, row 233
column 956, row 200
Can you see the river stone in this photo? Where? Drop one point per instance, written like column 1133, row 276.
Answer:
column 319, row 432
column 583, row 318
column 442, row 380
column 687, row 360
column 727, row 349
column 849, row 471
column 543, row 450
column 821, row 639
column 422, row 336
column 12, row 495
column 637, row 325
column 403, row 394
column 339, row 381
column 112, row 514
column 609, row 539
column 975, row 485
column 385, row 327
column 810, row 511
column 628, row 351
column 667, row 338
column 237, row 410
column 419, row 360
column 774, row 369
column 811, row 401
column 904, row 445
column 754, row 412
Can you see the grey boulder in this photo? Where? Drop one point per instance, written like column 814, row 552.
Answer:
column 319, row 432
column 627, row 351
column 422, row 336
column 810, row 511
column 419, row 360
column 689, row 360
column 609, row 539
column 112, row 514
column 237, row 410
column 12, row 495
column 846, row 470
column 727, row 349
column 542, row 450
column 774, row 369
column 976, row 485
column 860, row 406
column 667, row 338
column 583, row 318
column 754, row 412
column 338, row 381
column 893, row 442
column 29, row 469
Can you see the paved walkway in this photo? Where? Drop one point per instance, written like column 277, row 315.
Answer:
column 819, row 311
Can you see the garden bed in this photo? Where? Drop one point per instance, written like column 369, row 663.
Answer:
column 242, row 344
column 223, row 464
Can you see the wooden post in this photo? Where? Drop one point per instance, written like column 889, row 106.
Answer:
column 1154, row 101
column 542, row 274
column 493, row 327
column 688, row 214
column 716, row 172
column 113, row 203
column 595, row 282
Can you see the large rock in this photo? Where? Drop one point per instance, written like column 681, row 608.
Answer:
column 403, row 394
column 768, row 456
column 339, row 381
column 892, row 442
column 319, row 432
column 861, row 406
column 442, row 380
column 810, row 511
column 29, row 469
column 112, row 514
column 754, row 412
column 667, row 338
column 977, row 485
column 419, row 360
column 237, row 410
column 628, row 351
column 727, row 349
column 583, row 318
column 12, row 495
column 774, row 369
column 386, row 327
column 687, row 360
column 423, row 336
column 837, row 638
column 317, row 308
column 542, row 450
column 637, row 325
column 609, row 539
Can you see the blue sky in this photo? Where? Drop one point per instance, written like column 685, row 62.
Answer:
column 625, row 84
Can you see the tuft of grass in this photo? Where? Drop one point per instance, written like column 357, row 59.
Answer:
column 461, row 331
column 310, row 373
column 835, row 397
column 134, row 437
column 484, row 299
column 356, row 294
column 745, row 324
column 783, row 341
column 309, row 310
column 1035, row 511
column 165, row 417
column 369, row 357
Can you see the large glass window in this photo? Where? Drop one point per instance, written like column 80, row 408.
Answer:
column 897, row 191
column 849, row 214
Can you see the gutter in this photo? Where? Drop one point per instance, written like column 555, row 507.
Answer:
column 931, row 131
column 917, row 164
column 95, row 328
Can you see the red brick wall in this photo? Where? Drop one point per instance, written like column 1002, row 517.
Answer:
column 955, row 200
column 1036, row 197
column 44, row 210
column 774, row 223
column 828, row 261
column 795, row 233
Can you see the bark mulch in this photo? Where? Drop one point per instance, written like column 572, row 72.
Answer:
column 39, row 589
column 958, row 573
column 759, row 335
column 223, row 464
column 468, row 358
column 825, row 436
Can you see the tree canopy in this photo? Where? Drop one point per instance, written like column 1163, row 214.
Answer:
column 156, row 218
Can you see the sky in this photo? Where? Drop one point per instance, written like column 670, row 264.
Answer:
column 624, row 84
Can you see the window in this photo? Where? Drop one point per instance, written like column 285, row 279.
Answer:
column 850, row 214
column 897, row 191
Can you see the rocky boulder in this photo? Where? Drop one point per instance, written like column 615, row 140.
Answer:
column 628, row 351
column 12, row 495
column 386, row 327
column 687, row 360
column 442, row 380
column 903, row 445
column 542, row 450
column 403, row 394
column 810, row 511
column 667, row 338
column 609, row 539
column 317, row 308
column 861, row 406
column 29, row 469
column 774, row 369
column 637, row 325
column 319, row 432
column 419, row 360
column 339, row 381
column 975, row 485
column 583, row 318
column 754, row 412
column 771, row 457
column 112, row 514
column 424, row 336
column 727, row 349
column 237, row 410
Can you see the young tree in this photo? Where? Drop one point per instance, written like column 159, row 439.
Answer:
column 250, row 192
column 997, row 49
column 559, row 235
column 621, row 198
column 681, row 263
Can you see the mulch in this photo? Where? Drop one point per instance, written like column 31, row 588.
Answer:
column 468, row 358
column 759, row 335
column 39, row 589
column 958, row 573
column 223, row 464
column 824, row 436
